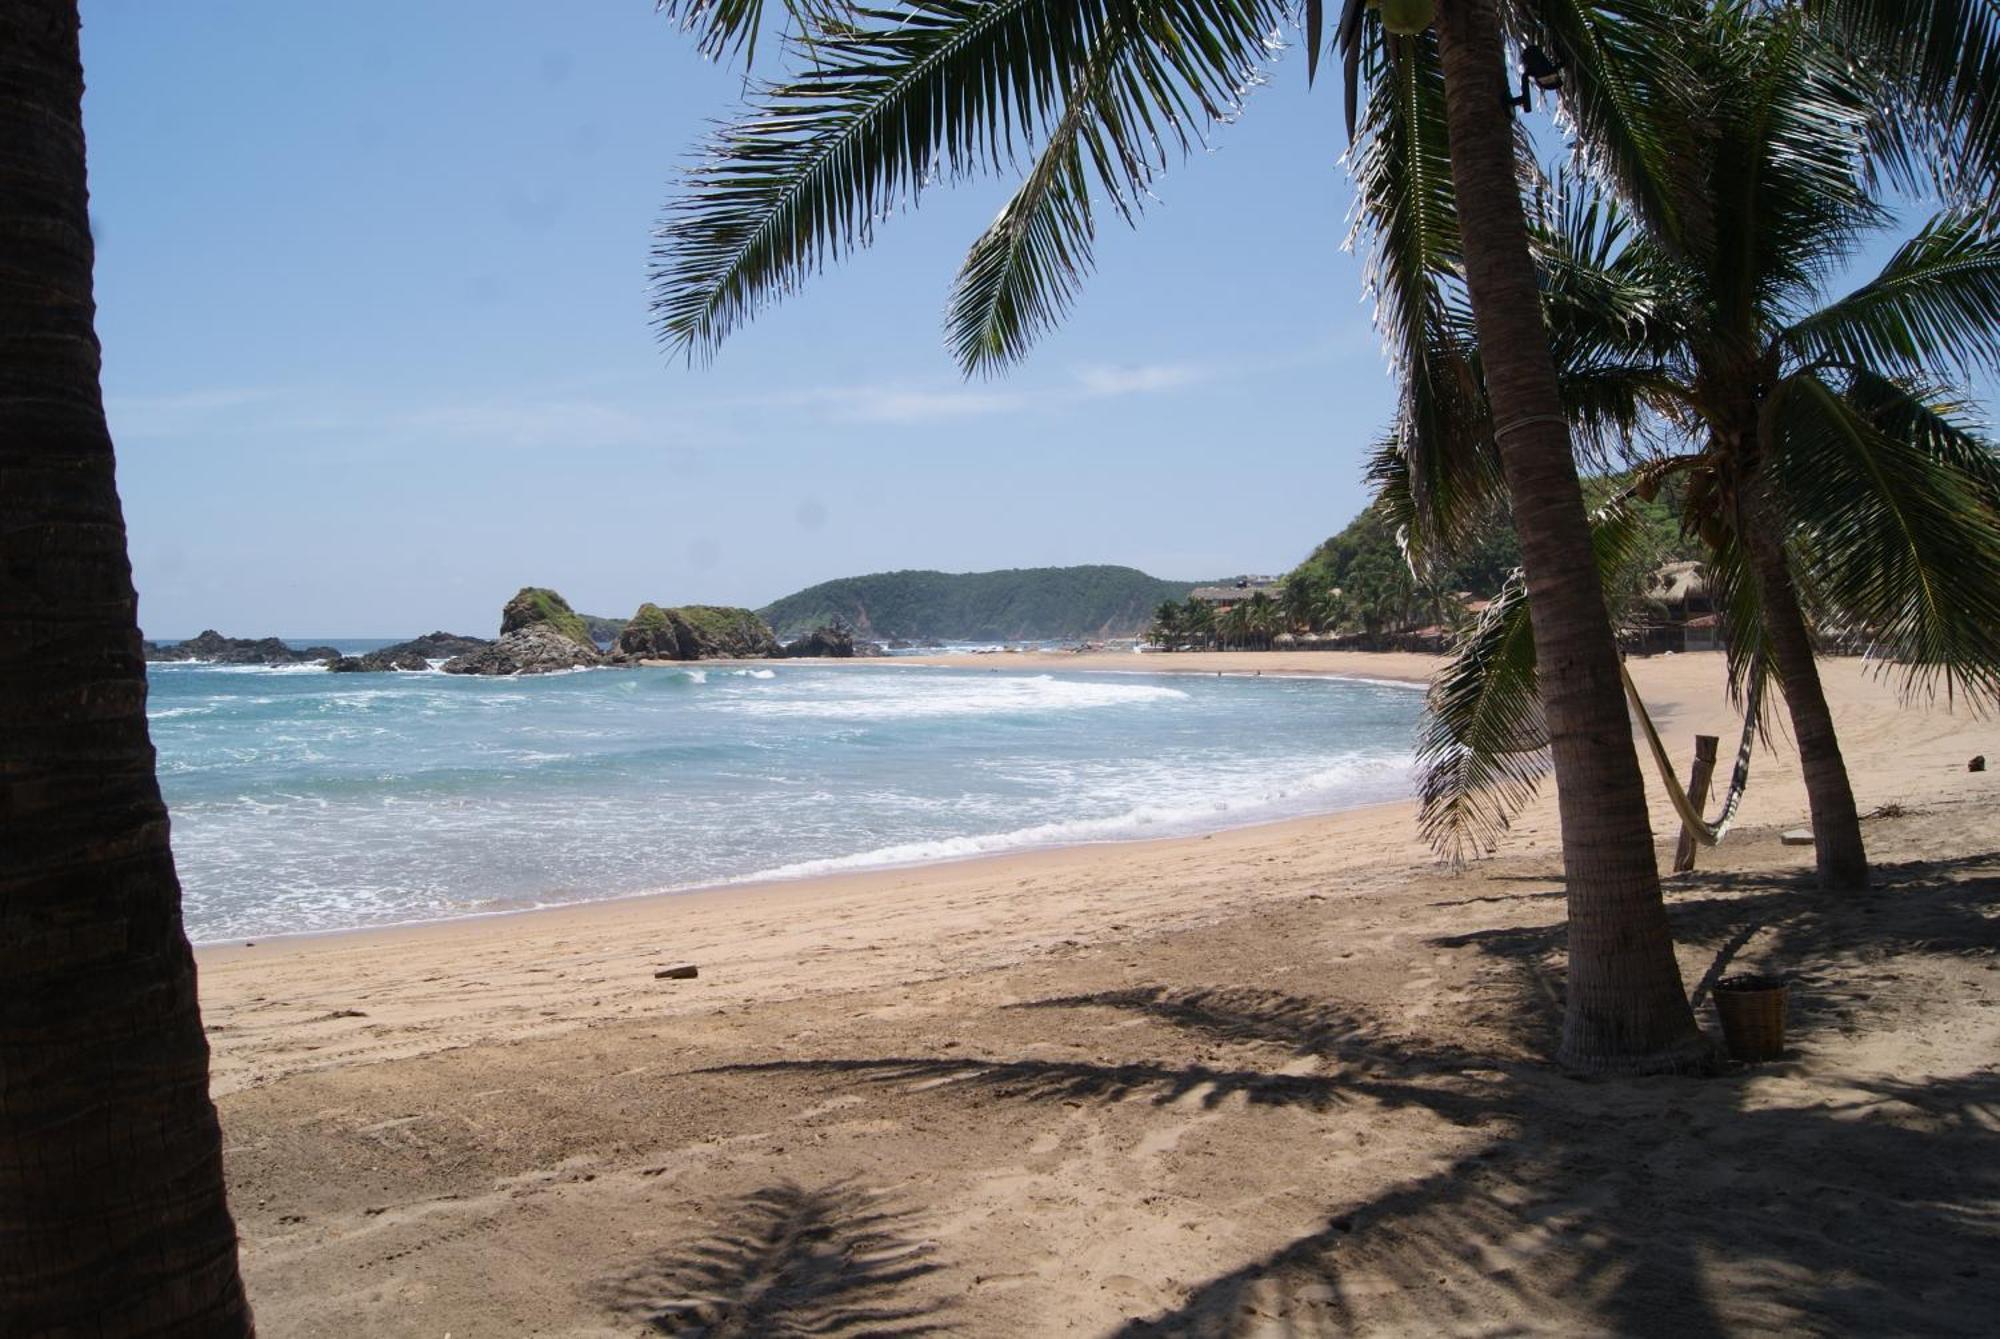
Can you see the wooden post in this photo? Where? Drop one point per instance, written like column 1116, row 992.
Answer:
column 1698, row 779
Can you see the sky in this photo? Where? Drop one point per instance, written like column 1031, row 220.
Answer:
column 372, row 293
column 372, row 287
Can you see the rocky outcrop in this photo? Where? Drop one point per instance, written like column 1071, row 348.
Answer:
column 378, row 662
column 694, row 632
column 437, row 646
column 539, row 634
column 535, row 649
column 412, row 656
column 829, row 641
column 533, row 605
column 652, row 634
column 213, row 648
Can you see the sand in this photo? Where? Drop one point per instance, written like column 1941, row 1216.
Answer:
column 1284, row 1080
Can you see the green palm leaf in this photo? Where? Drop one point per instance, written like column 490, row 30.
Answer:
column 1482, row 748
column 895, row 99
column 1937, row 301
column 1940, row 62
column 1895, row 501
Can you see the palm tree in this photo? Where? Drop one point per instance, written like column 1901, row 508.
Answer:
column 1166, row 630
column 113, row 1219
column 1198, row 622
column 1824, row 470
column 1332, row 610
column 1300, row 597
column 1263, row 618
column 891, row 98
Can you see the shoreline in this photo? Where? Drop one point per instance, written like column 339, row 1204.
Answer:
column 1095, row 663
column 763, row 882
column 1671, row 714
column 1032, row 1076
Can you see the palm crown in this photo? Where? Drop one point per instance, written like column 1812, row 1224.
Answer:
column 1797, row 423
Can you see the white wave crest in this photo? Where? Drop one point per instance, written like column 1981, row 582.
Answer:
column 909, row 698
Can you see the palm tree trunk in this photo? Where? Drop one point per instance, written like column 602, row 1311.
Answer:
column 112, row 1215
column 1837, row 846
column 1626, row 1008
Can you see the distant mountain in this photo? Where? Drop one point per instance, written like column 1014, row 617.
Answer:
column 1022, row 604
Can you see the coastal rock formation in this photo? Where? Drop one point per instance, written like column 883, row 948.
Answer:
column 539, row 633
column 694, row 632
column 214, row 648
column 413, row 655
column 376, row 662
column 437, row 646
column 651, row 634
column 535, row 649
column 538, row 604
column 830, row 641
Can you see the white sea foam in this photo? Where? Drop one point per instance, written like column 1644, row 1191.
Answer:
column 1355, row 780
column 854, row 699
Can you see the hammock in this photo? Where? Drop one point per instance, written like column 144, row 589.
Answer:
column 1705, row 833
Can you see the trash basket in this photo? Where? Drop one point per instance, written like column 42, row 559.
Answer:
column 1753, row 1015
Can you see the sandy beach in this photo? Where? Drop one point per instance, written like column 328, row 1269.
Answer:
column 1280, row 1080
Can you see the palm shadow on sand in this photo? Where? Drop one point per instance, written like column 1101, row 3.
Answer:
column 1663, row 1206
column 788, row 1262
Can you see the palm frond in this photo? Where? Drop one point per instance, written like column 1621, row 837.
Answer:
column 1784, row 120
column 1940, row 60
column 1020, row 277
column 1622, row 70
column 724, row 28
column 1899, row 537
column 1937, row 301
column 895, row 99
column 1482, row 749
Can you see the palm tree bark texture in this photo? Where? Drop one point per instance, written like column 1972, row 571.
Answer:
column 1626, row 1008
column 1840, row 855
column 113, row 1220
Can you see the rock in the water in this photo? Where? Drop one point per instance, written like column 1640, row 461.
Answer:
column 535, row 649
column 213, row 648
column 1978, row 763
column 679, row 971
column 694, row 632
column 539, row 634
column 720, row 632
column 830, row 641
column 1797, row 837
column 537, row 604
column 379, row 662
column 652, row 634
column 414, row 656
column 437, row 646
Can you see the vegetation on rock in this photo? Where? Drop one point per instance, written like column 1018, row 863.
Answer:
column 537, row 604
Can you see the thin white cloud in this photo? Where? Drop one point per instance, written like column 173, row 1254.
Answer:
column 1146, row 379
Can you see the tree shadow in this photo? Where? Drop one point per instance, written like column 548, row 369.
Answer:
column 1667, row 1206
column 1302, row 1026
column 1821, row 1220
column 1949, row 908
column 786, row 1262
column 1070, row 1081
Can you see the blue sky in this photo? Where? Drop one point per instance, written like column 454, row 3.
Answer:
column 371, row 284
column 372, row 291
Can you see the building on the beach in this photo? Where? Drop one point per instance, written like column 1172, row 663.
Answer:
column 1676, row 613
column 1225, row 598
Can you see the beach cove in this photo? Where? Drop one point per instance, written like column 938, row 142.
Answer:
column 1278, row 1079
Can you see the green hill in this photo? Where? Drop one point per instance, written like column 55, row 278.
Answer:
column 1022, row 604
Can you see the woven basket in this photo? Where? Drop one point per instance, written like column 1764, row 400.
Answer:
column 1753, row 1015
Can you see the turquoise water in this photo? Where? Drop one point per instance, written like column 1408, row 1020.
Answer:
column 307, row 801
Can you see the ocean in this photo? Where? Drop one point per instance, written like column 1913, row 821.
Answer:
column 305, row 801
